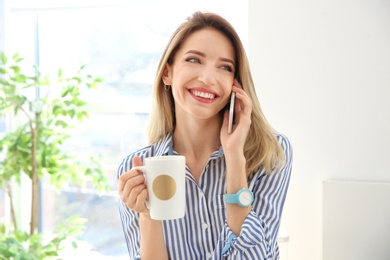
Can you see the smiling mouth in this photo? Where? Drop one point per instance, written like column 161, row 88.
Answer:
column 201, row 94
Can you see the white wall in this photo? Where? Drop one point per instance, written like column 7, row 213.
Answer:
column 355, row 228
column 322, row 71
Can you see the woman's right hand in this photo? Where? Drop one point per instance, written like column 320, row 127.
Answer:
column 132, row 188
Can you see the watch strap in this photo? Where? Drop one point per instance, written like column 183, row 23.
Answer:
column 231, row 198
column 235, row 198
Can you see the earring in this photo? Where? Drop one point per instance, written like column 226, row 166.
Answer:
column 167, row 88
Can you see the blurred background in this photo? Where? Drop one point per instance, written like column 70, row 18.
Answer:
column 121, row 42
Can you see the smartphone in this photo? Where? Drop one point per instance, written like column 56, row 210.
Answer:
column 231, row 112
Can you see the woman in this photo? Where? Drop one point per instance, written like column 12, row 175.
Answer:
column 202, row 65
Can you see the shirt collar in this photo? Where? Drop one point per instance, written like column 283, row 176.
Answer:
column 165, row 147
column 220, row 152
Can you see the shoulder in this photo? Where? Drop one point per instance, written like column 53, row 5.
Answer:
column 127, row 162
column 159, row 148
column 285, row 144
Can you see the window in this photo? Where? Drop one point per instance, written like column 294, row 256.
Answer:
column 4, row 126
column 120, row 41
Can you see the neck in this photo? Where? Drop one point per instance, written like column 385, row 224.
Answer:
column 197, row 138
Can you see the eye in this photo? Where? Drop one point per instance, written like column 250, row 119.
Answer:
column 193, row 60
column 227, row 68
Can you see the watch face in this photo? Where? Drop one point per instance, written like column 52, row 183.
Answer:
column 246, row 197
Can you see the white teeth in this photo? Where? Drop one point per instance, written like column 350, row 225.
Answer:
column 203, row 94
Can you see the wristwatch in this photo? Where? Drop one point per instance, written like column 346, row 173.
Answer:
column 243, row 197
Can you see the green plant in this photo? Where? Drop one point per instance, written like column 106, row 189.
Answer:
column 45, row 110
column 19, row 245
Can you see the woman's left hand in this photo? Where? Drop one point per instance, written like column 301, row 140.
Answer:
column 234, row 143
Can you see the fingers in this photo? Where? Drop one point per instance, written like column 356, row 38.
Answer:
column 136, row 199
column 137, row 161
column 243, row 103
column 241, row 94
column 242, row 108
column 236, row 83
column 225, row 119
column 132, row 188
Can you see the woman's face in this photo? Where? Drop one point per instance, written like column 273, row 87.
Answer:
column 202, row 74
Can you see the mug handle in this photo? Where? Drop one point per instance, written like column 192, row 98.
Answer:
column 143, row 170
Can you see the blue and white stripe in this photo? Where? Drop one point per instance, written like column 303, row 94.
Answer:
column 203, row 233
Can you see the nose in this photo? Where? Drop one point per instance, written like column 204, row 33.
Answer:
column 208, row 75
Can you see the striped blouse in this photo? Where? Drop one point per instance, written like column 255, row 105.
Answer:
column 203, row 232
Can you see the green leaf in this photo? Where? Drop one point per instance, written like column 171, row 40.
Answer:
column 72, row 112
column 51, row 253
column 74, row 245
column 68, row 103
column 79, row 103
column 66, row 92
column 21, row 236
column 78, row 79
column 17, row 60
column 99, row 80
column 20, row 78
column 92, row 85
column 15, row 56
column 81, row 115
column 16, row 69
column 2, row 229
column 3, row 58
column 61, row 123
column 57, row 110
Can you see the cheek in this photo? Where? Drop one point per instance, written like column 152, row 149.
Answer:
column 226, row 99
column 227, row 89
column 225, row 102
column 227, row 92
column 179, row 78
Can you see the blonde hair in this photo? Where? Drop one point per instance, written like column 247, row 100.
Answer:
column 261, row 148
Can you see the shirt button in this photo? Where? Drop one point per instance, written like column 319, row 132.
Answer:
column 205, row 226
column 208, row 255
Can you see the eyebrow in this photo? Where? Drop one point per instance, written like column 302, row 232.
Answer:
column 203, row 55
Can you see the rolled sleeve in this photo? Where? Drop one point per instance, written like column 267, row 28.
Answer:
column 252, row 237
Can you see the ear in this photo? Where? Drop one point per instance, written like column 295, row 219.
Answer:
column 167, row 75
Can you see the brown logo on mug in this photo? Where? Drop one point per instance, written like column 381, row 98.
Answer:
column 164, row 187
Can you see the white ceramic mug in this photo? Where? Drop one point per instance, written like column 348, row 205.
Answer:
column 165, row 181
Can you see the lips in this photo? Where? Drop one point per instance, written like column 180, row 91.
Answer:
column 203, row 95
